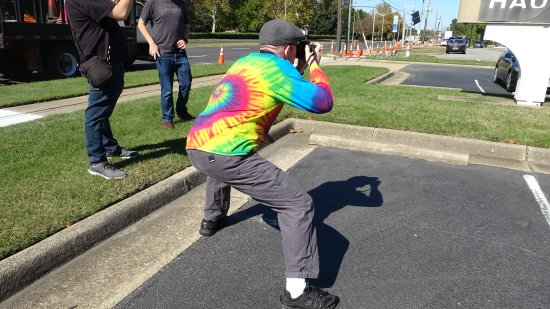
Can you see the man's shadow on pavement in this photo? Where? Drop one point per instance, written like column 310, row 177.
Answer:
column 329, row 197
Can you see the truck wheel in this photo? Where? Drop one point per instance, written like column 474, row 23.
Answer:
column 61, row 62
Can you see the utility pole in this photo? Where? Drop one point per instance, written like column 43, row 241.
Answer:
column 434, row 36
column 428, row 9
column 404, row 21
column 372, row 36
column 350, row 3
column 339, row 28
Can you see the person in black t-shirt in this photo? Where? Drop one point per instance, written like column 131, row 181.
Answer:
column 96, row 32
column 167, row 42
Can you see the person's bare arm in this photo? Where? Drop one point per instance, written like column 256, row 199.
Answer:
column 121, row 10
column 182, row 43
column 153, row 48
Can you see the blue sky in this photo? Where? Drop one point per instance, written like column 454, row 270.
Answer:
column 447, row 9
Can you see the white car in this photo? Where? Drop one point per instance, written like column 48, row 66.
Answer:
column 443, row 42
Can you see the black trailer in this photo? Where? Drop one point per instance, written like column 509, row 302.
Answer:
column 35, row 36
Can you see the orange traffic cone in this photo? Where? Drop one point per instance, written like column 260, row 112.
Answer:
column 53, row 12
column 351, row 53
column 344, row 53
column 221, row 59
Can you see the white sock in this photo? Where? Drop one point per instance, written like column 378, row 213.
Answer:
column 295, row 286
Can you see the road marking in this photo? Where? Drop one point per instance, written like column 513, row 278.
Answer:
column 539, row 196
column 478, row 86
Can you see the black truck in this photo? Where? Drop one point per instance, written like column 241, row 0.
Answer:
column 35, row 36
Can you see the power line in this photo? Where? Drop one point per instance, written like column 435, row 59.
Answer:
column 392, row 6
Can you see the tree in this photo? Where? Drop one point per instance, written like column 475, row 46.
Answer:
column 250, row 17
column 209, row 8
column 325, row 20
column 298, row 12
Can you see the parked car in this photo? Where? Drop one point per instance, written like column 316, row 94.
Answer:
column 456, row 46
column 507, row 70
column 443, row 42
column 478, row 44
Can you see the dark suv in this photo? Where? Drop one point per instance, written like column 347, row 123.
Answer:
column 456, row 45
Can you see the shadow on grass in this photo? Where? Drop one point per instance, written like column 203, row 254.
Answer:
column 154, row 151
column 330, row 197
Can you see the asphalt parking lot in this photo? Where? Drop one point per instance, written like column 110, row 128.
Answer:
column 394, row 233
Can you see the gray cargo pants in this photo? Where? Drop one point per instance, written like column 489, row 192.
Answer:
column 269, row 185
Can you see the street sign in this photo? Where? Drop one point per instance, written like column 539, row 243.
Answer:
column 416, row 17
column 395, row 21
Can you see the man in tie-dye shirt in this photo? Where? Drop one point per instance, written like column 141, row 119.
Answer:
column 225, row 137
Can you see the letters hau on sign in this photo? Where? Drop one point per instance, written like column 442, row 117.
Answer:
column 504, row 11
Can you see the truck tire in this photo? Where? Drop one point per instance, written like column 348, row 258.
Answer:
column 61, row 62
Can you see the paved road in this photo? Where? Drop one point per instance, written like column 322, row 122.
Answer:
column 466, row 78
column 479, row 54
column 395, row 233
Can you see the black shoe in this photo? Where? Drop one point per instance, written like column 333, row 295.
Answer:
column 312, row 298
column 106, row 170
column 185, row 116
column 209, row 227
column 123, row 153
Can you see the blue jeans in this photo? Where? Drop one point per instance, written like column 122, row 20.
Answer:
column 167, row 65
column 97, row 128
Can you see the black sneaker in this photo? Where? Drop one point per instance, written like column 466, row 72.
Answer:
column 106, row 170
column 123, row 153
column 209, row 227
column 312, row 298
column 185, row 116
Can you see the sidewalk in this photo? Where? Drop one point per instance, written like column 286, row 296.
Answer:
column 18, row 114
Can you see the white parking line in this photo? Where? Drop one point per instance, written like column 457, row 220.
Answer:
column 478, row 86
column 539, row 196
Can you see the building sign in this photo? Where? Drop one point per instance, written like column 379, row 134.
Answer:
column 504, row 11
column 395, row 21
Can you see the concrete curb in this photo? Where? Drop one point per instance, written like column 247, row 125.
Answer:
column 381, row 78
column 390, row 149
column 25, row 267
column 518, row 157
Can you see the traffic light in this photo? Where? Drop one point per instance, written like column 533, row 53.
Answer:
column 416, row 17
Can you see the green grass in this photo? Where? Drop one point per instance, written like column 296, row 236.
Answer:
column 21, row 94
column 45, row 185
column 418, row 109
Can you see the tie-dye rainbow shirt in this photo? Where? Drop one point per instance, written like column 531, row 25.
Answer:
column 246, row 102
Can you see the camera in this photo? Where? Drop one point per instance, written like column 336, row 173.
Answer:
column 301, row 49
